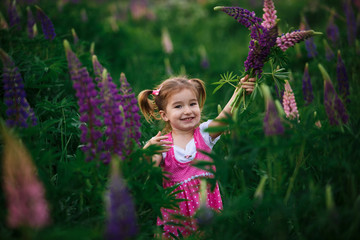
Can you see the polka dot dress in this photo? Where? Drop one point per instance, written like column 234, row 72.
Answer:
column 187, row 177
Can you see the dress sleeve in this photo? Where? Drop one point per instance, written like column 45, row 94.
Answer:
column 206, row 136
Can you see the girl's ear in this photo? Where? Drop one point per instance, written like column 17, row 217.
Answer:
column 163, row 115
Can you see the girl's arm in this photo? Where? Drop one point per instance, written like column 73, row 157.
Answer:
column 248, row 85
column 159, row 140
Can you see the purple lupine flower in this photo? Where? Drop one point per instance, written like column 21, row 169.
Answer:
column 88, row 105
column 262, row 40
column 84, row 16
column 121, row 215
column 269, row 15
column 204, row 59
column 342, row 78
column 332, row 30
column 18, row 111
column 131, row 112
column 98, row 68
column 113, row 117
column 350, row 22
column 263, row 37
column 310, row 45
column 14, row 18
column 334, row 107
column 311, row 48
column 306, row 86
column 272, row 121
column 46, row 24
column 75, row 36
column 24, row 193
column 329, row 53
column 290, row 39
column 31, row 25
column 243, row 16
column 289, row 103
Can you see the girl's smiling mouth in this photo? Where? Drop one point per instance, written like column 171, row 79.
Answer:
column 187, row 119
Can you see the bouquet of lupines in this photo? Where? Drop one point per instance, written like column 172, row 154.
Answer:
column 264, row 39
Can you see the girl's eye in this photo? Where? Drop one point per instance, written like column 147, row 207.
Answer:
column 193, row 104
column 178, row 106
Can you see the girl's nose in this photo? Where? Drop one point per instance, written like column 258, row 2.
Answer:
column 187, row 109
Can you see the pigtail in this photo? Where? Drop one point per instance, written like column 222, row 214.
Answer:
column 200, row 87
column 147, row 106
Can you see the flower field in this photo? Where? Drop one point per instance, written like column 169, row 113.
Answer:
column 71, row 135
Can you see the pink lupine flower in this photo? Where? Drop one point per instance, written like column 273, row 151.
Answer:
column 24, row 193
column 318, row 124
column 290, row 39
column 166, row 41
column 289, row 102
column 3, row 22
column 269, row 15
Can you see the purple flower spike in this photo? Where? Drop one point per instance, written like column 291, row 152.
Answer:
column 204, row 58
column 14, row 18
column 88, row 105
column 342, row 77
column 46, row 24
column 332, row 31
column 243, row 16
column 329, row 54
column 31, row 25
column 290, row 39
column 121, row 216
column 113, row 117
column 75, row 36
column 262, row 40
column 18, row 111
column 98, row 68
column 311, row 48
column 306, row 86
column 131, row 111
column 269, row 15
column 350, row 22
column 272, row 121
column 334, row 107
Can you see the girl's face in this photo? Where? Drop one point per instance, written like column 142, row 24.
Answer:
column 182, row 111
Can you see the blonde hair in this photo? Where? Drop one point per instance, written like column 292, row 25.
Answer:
column 150, row 106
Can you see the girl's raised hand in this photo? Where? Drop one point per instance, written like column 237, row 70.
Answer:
column 248, row 84
column 160, row 141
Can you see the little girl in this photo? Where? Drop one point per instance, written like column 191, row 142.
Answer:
column 178, row 101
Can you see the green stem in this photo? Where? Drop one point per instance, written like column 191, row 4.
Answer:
column 299, row 163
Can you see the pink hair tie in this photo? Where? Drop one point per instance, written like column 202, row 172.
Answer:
column 156, row 92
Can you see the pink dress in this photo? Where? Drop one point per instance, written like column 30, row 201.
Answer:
column 187, row 177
